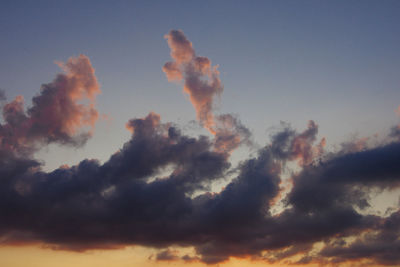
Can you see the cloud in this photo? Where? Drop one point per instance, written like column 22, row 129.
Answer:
column 230, row 133
column 203, row 85
column 290, row 145
column 380, row 246
column 57, row 114
column 167, row 255
column 201, row 80
column 395, row 130
column 155, row 190
column 115, row 203
column 345, row 179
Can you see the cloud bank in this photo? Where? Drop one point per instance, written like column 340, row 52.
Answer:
column 131, row 199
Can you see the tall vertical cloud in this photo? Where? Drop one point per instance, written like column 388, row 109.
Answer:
column 201, row 79
column 64, row 111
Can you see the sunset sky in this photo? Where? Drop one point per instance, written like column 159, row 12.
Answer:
column 199, row 133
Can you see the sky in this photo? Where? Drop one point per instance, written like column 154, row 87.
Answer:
column 183, row 133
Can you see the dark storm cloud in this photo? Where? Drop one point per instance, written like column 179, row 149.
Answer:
column 166, row 255
column 93, row 205
column 381, row 245
column 115, row 194
column 345, row 180
column 155, row 191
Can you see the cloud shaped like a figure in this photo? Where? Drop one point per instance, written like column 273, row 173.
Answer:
column 202, row 83
column 130, row 199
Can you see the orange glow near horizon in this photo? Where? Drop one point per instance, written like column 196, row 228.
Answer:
column 17, row 256
column 36, row 256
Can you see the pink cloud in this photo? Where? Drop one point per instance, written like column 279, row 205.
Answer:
column 61, row 113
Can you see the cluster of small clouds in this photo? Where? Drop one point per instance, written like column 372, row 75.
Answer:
column 119, row 203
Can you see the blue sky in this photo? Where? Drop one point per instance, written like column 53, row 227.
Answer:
column 334, row 62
